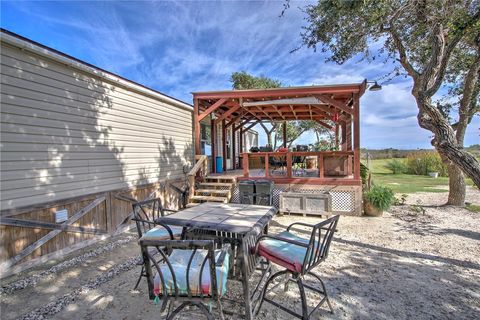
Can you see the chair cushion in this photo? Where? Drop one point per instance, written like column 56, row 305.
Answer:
column 288, row 255
column 179, row 262
column 161, row 233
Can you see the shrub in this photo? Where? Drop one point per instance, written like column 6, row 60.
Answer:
column 380, row 197
column 421, row 163
column 396, row 166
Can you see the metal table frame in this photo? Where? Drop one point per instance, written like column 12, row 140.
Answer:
column 238, row 224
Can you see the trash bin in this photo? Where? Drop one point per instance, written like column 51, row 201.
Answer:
column 219, row 164
column 264, row 192
column 247, row 191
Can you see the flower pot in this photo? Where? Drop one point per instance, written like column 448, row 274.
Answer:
column 371, row 210
column 433, row 174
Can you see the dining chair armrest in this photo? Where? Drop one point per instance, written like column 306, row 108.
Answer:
column 301, row 224
column 156, row 223
column 226, row 249
column 307, row 225
column 266, row 236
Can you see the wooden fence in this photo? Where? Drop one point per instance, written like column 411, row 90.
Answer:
column 30, row 236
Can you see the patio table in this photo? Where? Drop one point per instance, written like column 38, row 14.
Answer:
column 238, row 224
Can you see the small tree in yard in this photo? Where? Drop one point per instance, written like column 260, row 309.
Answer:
column 434, row 42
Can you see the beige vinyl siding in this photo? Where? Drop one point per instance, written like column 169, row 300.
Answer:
column 66, row 132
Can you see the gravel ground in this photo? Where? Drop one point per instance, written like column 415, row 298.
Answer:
column 421, row 261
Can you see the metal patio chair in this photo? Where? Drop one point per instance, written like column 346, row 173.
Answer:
column 191, row 272
column 145, row 213
column 298, row 256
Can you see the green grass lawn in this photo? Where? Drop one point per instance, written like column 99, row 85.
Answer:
column 405, row 183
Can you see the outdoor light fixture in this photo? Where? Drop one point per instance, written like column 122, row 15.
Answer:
column 375, row 86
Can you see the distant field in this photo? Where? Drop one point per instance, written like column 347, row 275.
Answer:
column 405, row 183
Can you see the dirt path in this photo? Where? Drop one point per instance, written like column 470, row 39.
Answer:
column 404, row 265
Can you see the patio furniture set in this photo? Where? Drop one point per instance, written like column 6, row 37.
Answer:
column 189, row 256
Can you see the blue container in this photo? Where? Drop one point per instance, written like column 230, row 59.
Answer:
column 219, row 164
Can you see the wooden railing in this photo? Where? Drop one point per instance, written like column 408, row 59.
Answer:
column 343, row 161
column 198, row 172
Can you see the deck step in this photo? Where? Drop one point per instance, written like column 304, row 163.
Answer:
column 220, row 178
column 215, row 184
column 216, row 191
column 209, row 198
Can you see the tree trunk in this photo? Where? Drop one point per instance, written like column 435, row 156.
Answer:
column 445, row 140
column 457, row 187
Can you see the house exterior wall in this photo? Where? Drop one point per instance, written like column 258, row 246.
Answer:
column 68, row 130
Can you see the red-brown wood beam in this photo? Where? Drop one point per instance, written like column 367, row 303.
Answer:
column 234, row 151
column 212, row 108
column 293, row 111
column 227, row 114
column 356, row 136
column 337, row 129
column 196, row 127
column 224, row 146
column 337, row 104
column 251, row 126
column 280, row 92
column 213, row 137
column 326, row 125
column 240, row 146
column 285, row 134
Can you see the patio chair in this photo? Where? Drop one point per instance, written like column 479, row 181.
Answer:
column 191, row 272
column 298, row 256
column 145, row 213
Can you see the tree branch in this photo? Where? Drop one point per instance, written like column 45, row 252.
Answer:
column 398, row 43
column 442, row 67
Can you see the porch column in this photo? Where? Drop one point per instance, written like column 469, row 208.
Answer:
column 241, row 146
column 356, row 136
column 343, row 125
column 285, row 134
column 224, row 145
column 213, row 136
column 234, row 157
column 337, row 128
column 196, row 127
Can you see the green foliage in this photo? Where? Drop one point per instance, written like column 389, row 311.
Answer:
column 380, row 197
column 242, row 80
column 421, row 163
column 396, row 166
column 364, row 173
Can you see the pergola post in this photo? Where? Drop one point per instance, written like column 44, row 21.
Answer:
column 344, row 136
column 234, row 157
column 284, row 134
column 196, row 127
column 241, row 145
column 224, row 145
column 213, row 136
column 337, row 127
column 356, row 136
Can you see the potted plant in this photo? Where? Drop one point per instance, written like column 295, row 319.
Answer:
column 377, row 200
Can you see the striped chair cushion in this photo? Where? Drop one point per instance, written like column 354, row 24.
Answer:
column 179, row 262
column 288, row 255
column 160, row 233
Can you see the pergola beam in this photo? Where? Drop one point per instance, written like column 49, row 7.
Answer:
column 227, row 114
column 326, row 99
column 212, row 108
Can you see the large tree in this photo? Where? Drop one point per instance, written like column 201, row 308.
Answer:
column 242, row 80
column 434, row 42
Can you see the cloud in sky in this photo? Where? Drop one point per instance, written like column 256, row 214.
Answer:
column 180, row 47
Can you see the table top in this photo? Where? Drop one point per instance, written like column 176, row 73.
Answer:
column 227, row 217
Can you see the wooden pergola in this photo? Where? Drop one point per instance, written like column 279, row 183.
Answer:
column 336, row 107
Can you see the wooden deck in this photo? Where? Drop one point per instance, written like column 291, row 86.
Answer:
column 309, row 177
